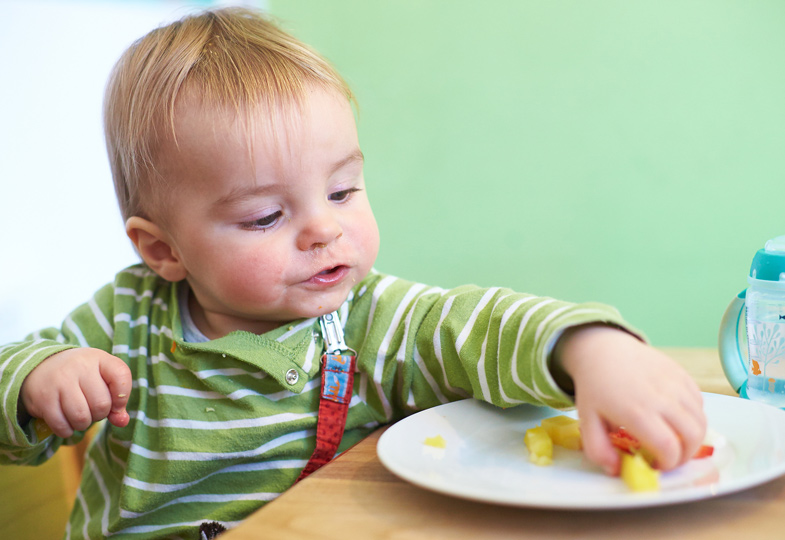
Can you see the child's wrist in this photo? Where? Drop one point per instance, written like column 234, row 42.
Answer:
column 574, row 344
column 559, row 371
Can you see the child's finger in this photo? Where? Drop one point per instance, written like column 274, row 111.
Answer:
column 119, row 418
column 117, row 376
column 76, row 411
column 98, row 398
column 671, row 433
column 596, row 444
column 690, row 428
column 694, row 397
column 57, row 423
column 659, row 437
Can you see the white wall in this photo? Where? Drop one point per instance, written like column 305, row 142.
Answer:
column 61, row 235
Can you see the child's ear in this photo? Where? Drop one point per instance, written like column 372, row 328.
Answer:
column 155, row 248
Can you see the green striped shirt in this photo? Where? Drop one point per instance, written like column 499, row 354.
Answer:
column 218, row 429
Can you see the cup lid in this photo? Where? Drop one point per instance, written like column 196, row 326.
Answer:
column 769, row 262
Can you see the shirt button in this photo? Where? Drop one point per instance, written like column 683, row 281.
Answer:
column 292, row 376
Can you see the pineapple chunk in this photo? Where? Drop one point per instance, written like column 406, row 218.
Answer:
column 540, row 446
column 564, row 431
column 42, row 430
column 437, row 441
column 638, row 474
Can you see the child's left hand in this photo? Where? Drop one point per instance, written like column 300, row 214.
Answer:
column 620, row 381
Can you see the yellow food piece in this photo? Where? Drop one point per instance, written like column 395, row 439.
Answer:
column 437, row 442
column 564, row 431
column 42, row 430
column 638, row 474
column 540, row 446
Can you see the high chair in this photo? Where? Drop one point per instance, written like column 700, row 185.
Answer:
column 35, row 502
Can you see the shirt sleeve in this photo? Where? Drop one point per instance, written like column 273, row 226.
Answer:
column 87, row 326
column 431, row 346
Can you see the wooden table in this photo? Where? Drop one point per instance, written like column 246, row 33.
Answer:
column 355, row 497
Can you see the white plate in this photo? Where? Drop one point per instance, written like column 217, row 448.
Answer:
column 485, row 458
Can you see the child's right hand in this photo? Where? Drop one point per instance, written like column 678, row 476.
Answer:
column 74, row 388
column 620, row 381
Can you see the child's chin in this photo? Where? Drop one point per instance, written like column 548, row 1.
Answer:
column 324, row 309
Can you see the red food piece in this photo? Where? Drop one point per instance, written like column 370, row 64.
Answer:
column 705, row 450
column 624, row 441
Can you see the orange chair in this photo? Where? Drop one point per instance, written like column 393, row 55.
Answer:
column 35, row 502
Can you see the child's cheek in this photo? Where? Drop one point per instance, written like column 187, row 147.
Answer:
column 252, row 280
column 368, row 239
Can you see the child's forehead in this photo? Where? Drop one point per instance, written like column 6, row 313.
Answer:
column 276, row 120
column 192, row 107
column 198, row 124
column 319, row 128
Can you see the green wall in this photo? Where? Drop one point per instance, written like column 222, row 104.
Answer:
column 622, row 151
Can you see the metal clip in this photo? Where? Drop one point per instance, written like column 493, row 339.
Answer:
column 332, row 331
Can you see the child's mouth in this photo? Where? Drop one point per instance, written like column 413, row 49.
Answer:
column 330, row 276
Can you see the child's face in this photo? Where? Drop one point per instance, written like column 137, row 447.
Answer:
column 276, row 237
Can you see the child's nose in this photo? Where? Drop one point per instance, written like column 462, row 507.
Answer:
column 319, row 232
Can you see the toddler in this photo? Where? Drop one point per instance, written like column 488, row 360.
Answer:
column 239, row 174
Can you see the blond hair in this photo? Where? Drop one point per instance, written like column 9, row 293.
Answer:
column 231, row 57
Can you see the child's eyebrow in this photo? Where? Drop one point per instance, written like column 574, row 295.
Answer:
column 354, row 157
column 240, row 194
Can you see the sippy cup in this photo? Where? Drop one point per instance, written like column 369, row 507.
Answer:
column 752, row 347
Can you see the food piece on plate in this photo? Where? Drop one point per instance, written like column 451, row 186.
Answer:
column 638, row 474
column 540, row 446
column 624, row 441
column 705, row 450
column 564, row 431
column 437, row 442
column 627, row 443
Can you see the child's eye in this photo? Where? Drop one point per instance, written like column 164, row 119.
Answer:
column 263, row 222
column 343, row 195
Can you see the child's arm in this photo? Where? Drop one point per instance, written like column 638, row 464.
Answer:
column 74, row 388
column 620, row 381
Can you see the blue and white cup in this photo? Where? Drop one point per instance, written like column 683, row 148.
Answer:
column 752, row 332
